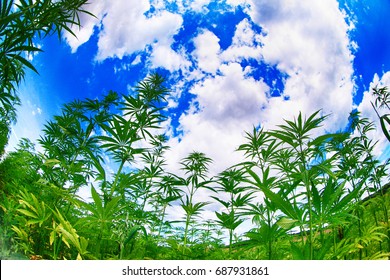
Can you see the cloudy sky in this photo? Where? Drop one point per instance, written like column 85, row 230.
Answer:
column 231, row 65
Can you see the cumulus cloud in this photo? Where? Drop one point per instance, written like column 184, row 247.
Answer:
column 199, row 5
column 225, row 106
column 207, row 51
column 310, row 44
column 127, row 29
column 245, row 44
column 164, row 56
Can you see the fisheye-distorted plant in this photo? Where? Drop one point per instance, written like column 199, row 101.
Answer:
column 195, row 166
column 309, row 195
column 238, row 196
column 382, row 100
column 21, row 24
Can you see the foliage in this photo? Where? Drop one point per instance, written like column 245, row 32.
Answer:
column 382, row 100
column 21, row 23
column 298, row 194
column 309, row 196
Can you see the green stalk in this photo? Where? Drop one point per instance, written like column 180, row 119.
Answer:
column 113, row 186
column 186, row 231
column 308, row 194
column 231, row 230
column 188, row 219
column 310, row 218
column 230, row 241
column 162, row 220
column 358, row 214
column 100, row 237
column 270, row 239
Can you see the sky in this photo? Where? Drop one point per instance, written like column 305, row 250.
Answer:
column 230, row 65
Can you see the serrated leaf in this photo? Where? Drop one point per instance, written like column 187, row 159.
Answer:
column 27, row 213
column 286, row 223
column 284, row 205
column 98, row 201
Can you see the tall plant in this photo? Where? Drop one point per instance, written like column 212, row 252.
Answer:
column 195, row 166
column 21, row 23
column 238, row 196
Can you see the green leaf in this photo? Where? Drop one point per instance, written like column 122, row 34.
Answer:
column 286, row 223
column 28, row 213
column 322, row 139
column 24, row 61
column 283, row 204
column 226, row 204
column 98, row 201
column 133, row 231
column 383, row 120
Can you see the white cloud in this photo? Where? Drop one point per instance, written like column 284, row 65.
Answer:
column 199, row 5
column 136, row 60
column 164, row 56
column 124, row 27
column 207, row 51
column 310, row 44
column 245, row 44
column 228, row 104
column 127, row 29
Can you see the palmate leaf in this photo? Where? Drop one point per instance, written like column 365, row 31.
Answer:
column 255, row 141
column 263, row 234
column 194, row 209
column 36, row 211
column 281, row 203
column 328, row 198
column 102, row 213
column 68, row 234
column 151, row 90
column 242, row 199
column 322, row 139
column 96, row 160
column 112, row 207
column 345, row 202
column 284, row 137
column 296, row 131
column 228, row 220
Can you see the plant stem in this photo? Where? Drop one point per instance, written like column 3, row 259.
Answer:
column 113, row 186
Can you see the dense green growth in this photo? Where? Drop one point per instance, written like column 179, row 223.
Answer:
column 21, row 22
column 298, row 193
column 305, row 195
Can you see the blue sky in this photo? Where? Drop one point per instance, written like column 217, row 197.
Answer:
column 230, row 64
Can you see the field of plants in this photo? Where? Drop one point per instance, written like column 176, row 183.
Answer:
column 306, row 195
